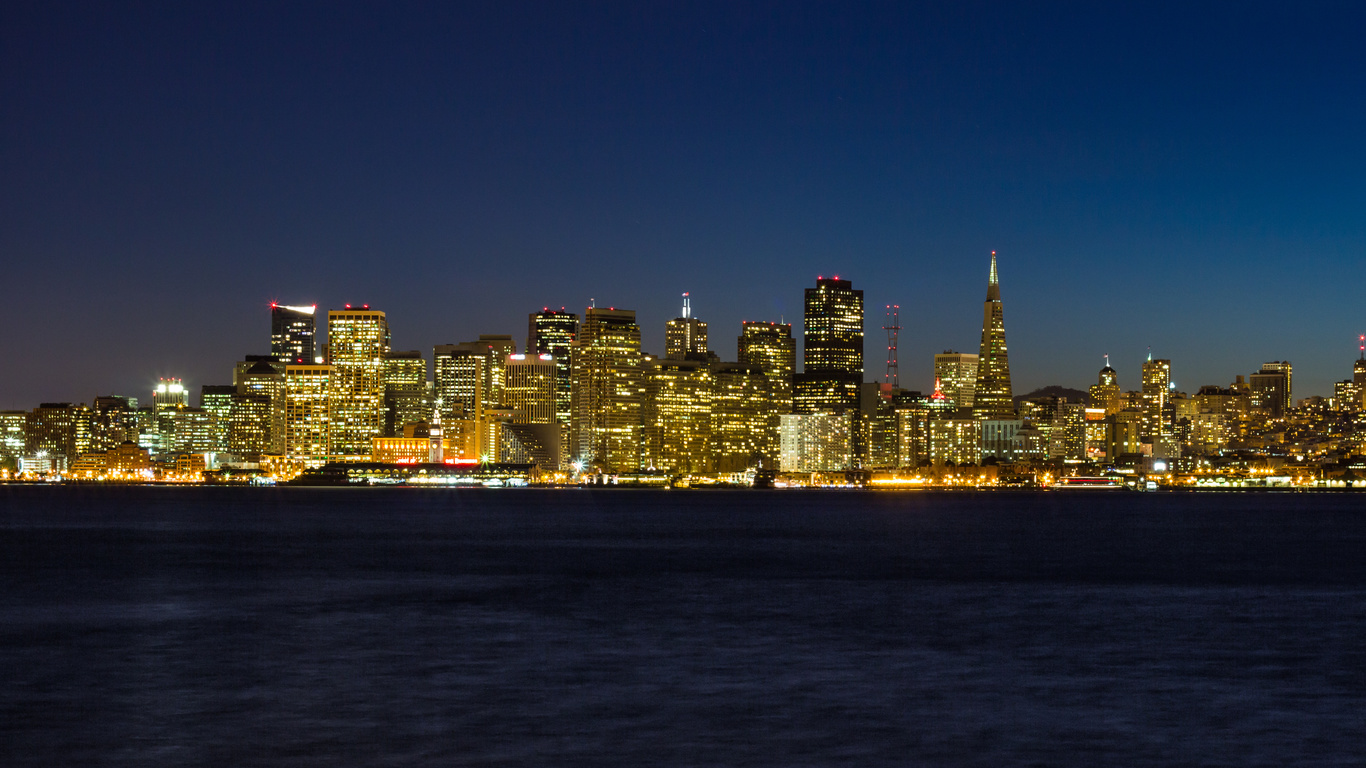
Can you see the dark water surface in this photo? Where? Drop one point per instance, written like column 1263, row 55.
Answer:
column 219, row 627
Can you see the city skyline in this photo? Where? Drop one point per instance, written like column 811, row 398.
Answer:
column 1185, row 179
column 920, row 373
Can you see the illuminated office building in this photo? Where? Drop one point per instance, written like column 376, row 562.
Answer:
column 191, row 430
column 12, row 436
column 217, row 400
column 266, row 379
column 1105, row 393
column 357, row 341
column 530, row 388
column 1159, row 418
column 250, row 427
column 307, row 391
column 1067, row 438
column 956, row 373
column 458, row 374
column 685, row 337
column 292, row 332
column 744, row 419
column 405, row 391
column 676, row 416
column 1271, row 393
column 832, row 353
column 608, row 390
column 770, row 348
column 112, row 421
column 816, row 442
column 992, row 395
column 170, row 393
column 955, row 440
column 57, row 429
column 552, row 332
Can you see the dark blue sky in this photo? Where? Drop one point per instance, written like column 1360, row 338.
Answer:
column 1188, row 177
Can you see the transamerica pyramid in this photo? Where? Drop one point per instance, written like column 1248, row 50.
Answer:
column 993, row 398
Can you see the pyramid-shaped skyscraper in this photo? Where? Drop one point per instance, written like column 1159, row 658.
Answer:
column 993, row 397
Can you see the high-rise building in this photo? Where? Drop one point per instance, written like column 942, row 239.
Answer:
column 405, row 391
column 170, row 393
column 992, row 398
column 834, row 329
column 308, row 400
column 1271, row 393
column 250, row 431
column 530, row 388
column 770, row 348
column 956, row 373
column 112, row 421
column 468, row 381
column 217, row 399
column 608, row 390
column 1105, row 393
column 552, row 332
column 292, row 332
column 57, row 429
column 12, row 437
column 744, row 418
column 265, row 379
column 357, row 341
column 676, row 416
column 816, row 442
column 1158, row 418
column 832, row 351
column 458, row 374
column 685, row 337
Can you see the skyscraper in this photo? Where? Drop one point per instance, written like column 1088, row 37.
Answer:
column 956, row 373
column 529, row 388
column 308, row 397
column 676, row 416
column 551, row 332
column 685, row 337
column 292, row 330
column 608, row 390
column 1105, row 393
column 1157, row 423
column 770, row 348
column 992, row 398
column 357, row 341
column 832, row 352
column 1271, row 392
column 405, row 391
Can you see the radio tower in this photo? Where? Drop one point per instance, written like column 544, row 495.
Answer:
column 893, row 328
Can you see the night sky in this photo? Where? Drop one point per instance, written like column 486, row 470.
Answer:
column 1189, row 179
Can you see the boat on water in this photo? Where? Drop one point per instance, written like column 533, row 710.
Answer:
column 1089, row 483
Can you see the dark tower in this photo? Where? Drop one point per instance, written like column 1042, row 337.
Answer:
column 292, row 330
column 552, row 332
column 832, row 353
column 993, row 397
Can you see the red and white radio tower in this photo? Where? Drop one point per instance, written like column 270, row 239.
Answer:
column 893, row 329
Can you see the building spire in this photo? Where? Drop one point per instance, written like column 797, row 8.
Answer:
column 993, row 281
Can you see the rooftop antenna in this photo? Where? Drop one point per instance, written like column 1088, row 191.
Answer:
column 1107, row 361
column 893, row 329
column 593, row 303
column 687, row 306
column 1362, row 340
column 1150, row 354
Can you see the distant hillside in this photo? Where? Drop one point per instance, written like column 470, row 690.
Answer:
column 1072, row 395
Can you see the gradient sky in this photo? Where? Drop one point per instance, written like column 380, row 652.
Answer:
column 1186, row 177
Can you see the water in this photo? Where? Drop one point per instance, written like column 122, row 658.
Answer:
column 301, row 627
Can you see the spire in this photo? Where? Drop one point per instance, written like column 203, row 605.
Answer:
column 993, row 282
column 1150, row 354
